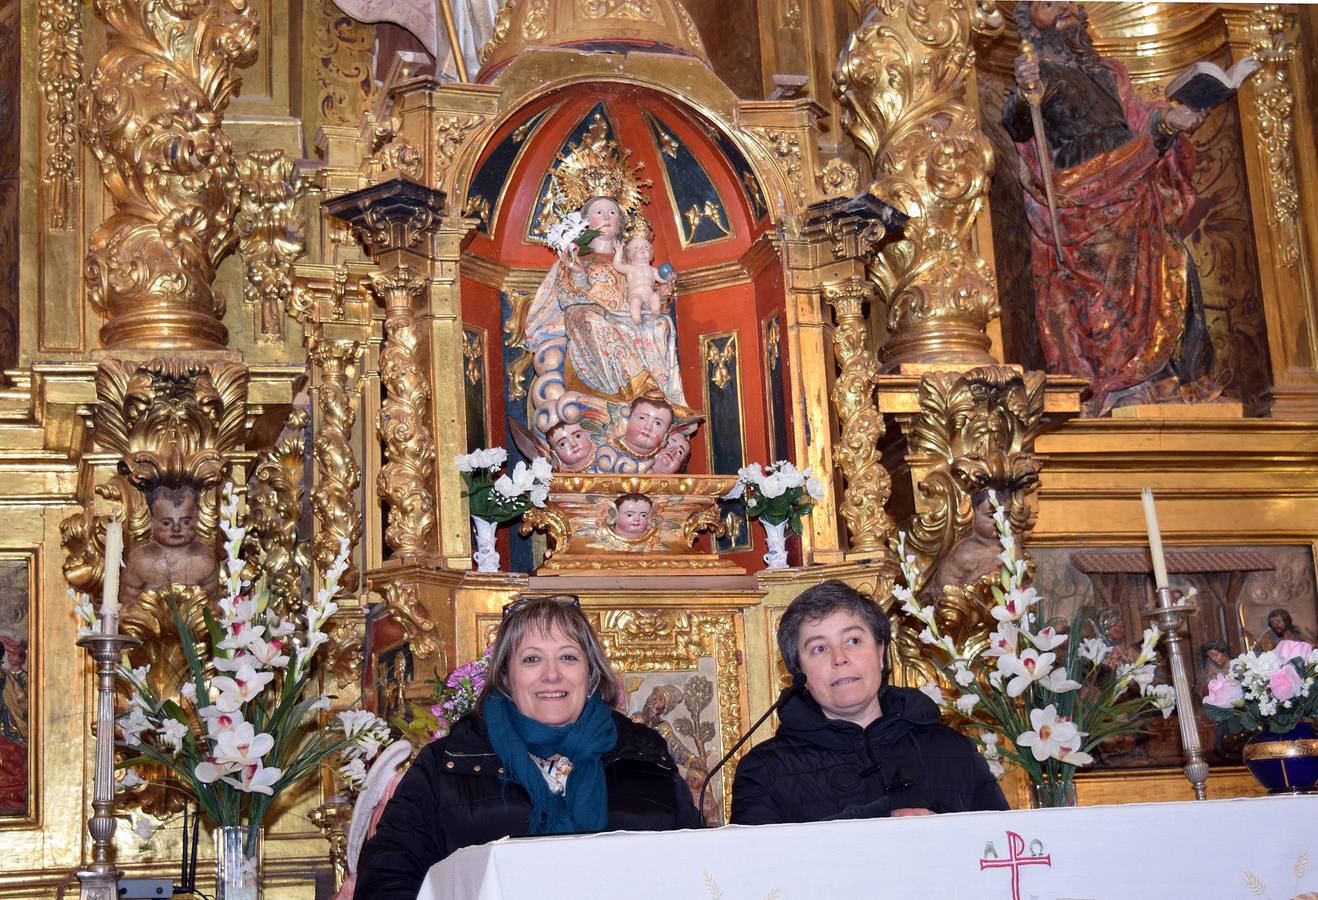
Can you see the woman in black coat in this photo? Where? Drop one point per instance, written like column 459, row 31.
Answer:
column 849, row 746
column 546, row 753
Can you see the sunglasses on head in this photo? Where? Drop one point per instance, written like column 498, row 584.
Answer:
column 523, row 602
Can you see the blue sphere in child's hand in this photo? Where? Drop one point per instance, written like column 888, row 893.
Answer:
column 666, row 271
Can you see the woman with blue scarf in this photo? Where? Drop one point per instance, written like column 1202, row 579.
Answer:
column 545, row 753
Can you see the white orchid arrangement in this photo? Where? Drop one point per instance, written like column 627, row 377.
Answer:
column 569, row 230
column 244, row 727
column 1037, row 698
column 508, row 496
column 1273, row 688
column 776, row 494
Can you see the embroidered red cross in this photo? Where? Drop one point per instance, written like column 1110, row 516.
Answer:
column 1014, row 861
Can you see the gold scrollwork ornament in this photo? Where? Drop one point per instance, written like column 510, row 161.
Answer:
column 901, row 80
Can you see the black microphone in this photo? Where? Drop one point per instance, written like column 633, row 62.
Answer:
column 798, row 682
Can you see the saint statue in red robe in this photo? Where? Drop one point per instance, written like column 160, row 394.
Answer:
column 1121, row 306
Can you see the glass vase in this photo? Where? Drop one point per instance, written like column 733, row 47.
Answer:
column 1052, row 794
column 237, row 863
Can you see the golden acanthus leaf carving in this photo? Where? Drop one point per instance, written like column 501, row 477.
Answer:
column 333, row 502
column 450, row 133
column 347, row 637
column 901, row 80
column 473, row 357
column 1274, row 103
column 980, row 425
column 171, row 418
column 786, row 148
column 152, row 116
column 274, row 505
column 390, row 151
column 868, row 485
column 535, row 23
column 270, row 234
column 420, row 631
column 514, row 338
column 60, row 76
column 635, row 10
column 554, row 522
column 503, row 24
column 404, row 480
column 719, row 359
column 707, row 519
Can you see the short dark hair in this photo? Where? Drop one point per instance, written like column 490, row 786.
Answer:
column 819, row 602
column 617, row 504
column 654, row 401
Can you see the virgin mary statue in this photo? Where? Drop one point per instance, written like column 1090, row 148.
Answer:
column 587, row 350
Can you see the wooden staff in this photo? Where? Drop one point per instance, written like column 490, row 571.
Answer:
column 1034, row 95
column 451, row 27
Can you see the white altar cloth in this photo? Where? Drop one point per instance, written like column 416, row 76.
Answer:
column 1208, row 850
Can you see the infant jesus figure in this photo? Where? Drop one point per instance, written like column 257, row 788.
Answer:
column 640, row 276
column 174, row 555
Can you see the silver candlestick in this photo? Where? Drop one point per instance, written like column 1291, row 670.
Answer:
column 1170, row 618
column 100, row 880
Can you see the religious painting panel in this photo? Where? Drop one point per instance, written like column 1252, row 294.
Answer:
column 1247, row 597
column 17, row 738
column 774, row 386
column 1156, row 296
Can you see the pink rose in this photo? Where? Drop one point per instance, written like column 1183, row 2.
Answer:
column 1287, row 650
column 1223, row 692
column 1285, row 682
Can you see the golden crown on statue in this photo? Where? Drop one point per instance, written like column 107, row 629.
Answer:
column 597, row 167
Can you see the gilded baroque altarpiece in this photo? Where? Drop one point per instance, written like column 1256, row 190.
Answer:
column 296, row 261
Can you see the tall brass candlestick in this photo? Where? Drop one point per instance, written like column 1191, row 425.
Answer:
column 100, row 880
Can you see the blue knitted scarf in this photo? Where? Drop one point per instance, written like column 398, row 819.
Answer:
column 583, row 807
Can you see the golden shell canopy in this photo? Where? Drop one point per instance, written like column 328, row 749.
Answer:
column 659, row 25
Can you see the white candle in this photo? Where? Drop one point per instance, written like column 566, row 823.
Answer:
column 1155, row 538
column 114, row 558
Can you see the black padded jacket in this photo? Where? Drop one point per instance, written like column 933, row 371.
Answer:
column 456, row 795
column 817, row 768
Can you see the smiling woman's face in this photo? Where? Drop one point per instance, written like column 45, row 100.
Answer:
column 843, row 666
column 548, row 677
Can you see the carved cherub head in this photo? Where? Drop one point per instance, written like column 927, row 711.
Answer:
column 173, row 515
column 632, row 516
column 572, row 447
column 647, row 425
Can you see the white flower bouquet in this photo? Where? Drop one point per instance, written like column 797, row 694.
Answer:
column 245, row 727
column 569, row 230
column 1037, row 698
column 777, row 494
column 508, row 496
column 1273, row 688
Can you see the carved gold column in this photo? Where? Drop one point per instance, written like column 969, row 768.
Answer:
column 868, row 486
column 825, row 263
column 405, row 480
column 152, row 116
column 901, row 79
column 1283, row 184
column 396, row 221
column 333, row 502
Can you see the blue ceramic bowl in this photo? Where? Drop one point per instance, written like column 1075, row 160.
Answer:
column 1284, row 763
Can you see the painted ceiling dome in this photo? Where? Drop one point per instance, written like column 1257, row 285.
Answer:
column 661, row 26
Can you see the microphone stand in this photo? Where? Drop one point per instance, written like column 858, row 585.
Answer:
column 798, row 681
